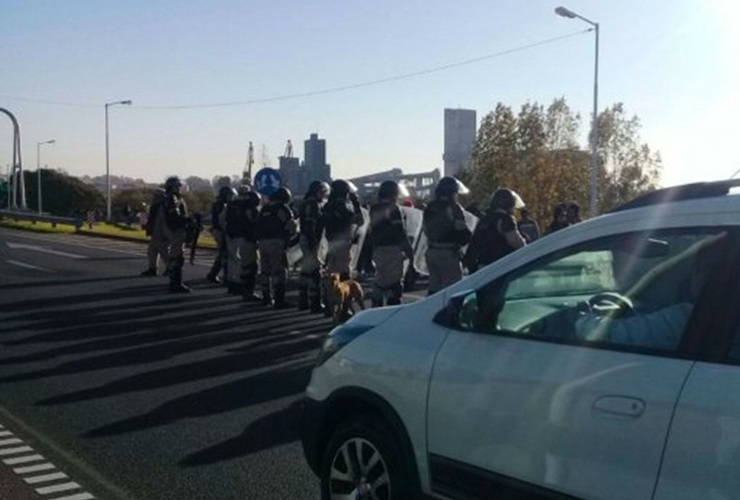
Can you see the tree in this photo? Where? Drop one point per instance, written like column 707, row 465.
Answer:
column 62, row 194
column 536, row 153
column 628, row 167
column 198, row 184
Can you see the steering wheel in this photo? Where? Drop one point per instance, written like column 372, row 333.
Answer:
column 610, row 304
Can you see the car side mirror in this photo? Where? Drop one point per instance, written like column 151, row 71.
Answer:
column 450, row 316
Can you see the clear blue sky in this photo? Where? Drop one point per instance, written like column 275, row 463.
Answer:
column 672, row 62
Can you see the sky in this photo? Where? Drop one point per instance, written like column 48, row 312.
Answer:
column 208, row 77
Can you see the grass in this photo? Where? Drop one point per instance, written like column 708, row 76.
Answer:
column 98, row 229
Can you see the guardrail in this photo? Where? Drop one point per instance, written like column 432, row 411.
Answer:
column 33, row 216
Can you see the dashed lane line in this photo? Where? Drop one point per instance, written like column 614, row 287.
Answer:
column 47, row 476
column 27, row 266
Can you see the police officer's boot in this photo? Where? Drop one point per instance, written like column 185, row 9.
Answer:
column 152, row 271
column 213, row 277
column 248, row 294
column 176, row 284
column 394, row 295
column 266, row 294
column 280, row 302
column 303, row 298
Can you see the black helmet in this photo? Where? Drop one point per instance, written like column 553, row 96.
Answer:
column 318, row 189
column 505, row 199
column 242, row 190
column 448, row 186
column 226, row 193
column 253, row 199
column 340, row 188
column 282, row 195
column 171, row 183
column 391, row 190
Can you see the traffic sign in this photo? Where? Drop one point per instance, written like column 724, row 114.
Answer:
column 267, row 181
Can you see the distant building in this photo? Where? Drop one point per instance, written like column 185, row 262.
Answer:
column 460, row 130
column 298, row 176
column 420, row 185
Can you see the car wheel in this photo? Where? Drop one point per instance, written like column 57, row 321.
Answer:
column 362, row 461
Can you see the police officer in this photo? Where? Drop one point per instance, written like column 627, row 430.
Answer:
column 240, row 227
column 176, row 220
column 496, row 234
column 447, row 232
column 342, row 215
column 527, row 226
column 155, row 229
column 225, row 194
column 276, row 227
column 311, row 223
column 390, row 244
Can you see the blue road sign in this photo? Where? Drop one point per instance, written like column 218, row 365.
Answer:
column 267, row 181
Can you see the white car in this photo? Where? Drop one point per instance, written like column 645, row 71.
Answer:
column 600, row 362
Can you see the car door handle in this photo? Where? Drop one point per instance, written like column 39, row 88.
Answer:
column 620, row 405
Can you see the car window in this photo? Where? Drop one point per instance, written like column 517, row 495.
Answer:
column 634, row 290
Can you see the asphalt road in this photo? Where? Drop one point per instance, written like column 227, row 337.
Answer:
column 131, row 392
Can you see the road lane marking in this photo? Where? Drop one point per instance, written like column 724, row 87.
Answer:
column 36, row 248
column 41, row 472
column 5, row 442
column 77, row 496
column 33, row 468
column 23, row 460
column 57, row 488
column 27, row 266
column 15, row 451
column 45, row 478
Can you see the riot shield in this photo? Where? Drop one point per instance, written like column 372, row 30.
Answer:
column 421, row 248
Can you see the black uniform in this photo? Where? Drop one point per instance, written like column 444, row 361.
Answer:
column 340, row 217
column 390, row 245
column 311, row 221
column 447, row 232
column 489, row 241
column 276, row 226
column 241, row 234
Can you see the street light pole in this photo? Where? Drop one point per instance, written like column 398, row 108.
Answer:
column 38, row 167
column 594, row 167
column 107, row 159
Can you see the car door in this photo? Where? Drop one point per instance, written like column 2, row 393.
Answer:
column 702, row 455
column 521, row 403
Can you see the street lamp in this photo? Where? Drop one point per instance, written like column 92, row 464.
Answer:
column 107, row 157
column 38, row 166
column 563, row 12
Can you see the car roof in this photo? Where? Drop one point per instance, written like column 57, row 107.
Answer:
column 683, row 192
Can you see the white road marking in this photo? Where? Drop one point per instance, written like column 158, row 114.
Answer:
column 27, row 266
column 5, row 433
column 45, row 478
column 15, row 451
column 57, row 488
column 23, row 460
column 36, row 248
column 76, row 496
column 6, row 442
column 33, row 468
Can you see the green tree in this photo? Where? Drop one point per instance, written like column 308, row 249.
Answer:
column 61, row 194
column 628, row 167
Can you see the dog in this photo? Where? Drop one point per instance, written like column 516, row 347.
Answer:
column 340, row 295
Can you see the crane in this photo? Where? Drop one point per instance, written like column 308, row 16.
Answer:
column 247, row 173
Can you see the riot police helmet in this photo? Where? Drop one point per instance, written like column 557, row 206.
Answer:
column 226, row 193
column 340, row 188
column 318, row 189
column 253, row 199
column 449, row 186
column 391, row 190
column 242, row 190
column 172, row 183
column 506, row 199
column 281, row 195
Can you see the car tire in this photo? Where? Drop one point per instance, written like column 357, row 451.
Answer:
column 363, row 460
